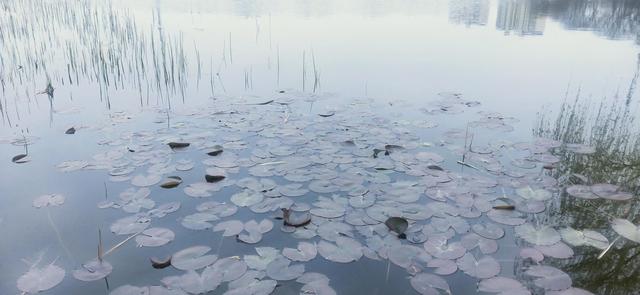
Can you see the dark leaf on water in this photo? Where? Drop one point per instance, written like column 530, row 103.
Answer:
column 70, row 131
column 160, row 263
column 178, row 145
column 213, row 178
column 328, row 114
column 294, row 219
column 19, row 159
column 215, row 150
column 397, row 224
column 171, row 182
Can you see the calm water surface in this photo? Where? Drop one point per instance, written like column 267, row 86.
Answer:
column 443, row 77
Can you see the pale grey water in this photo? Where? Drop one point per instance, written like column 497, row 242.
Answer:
column 517, row 58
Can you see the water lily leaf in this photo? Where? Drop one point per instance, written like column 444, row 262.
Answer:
column 171, row 182
column 178, row 145
column 130, row 224
column 193, row 258
column 305, row 252
column 397, row 224
column 20, row 159
column 194, row 283
column 443, row 266
column 70, row 166
column 48, row 200
column 429, row 284
column 164, row 209
column 404, row 255
column 626, row 229
column 581, row 191
column 93, row 270
column 230, row 227
column 149, row 180
column 71, row 130
column 549, row 278
column 483, row 268
column 281, row 269
column 155, row 237
column 250, row 284
column 215, row 150
column 558, row 250
column 512, row 218
column 440, row 248
column 502, row 285
column 247, row 198
column 486, row 246
column 534, row 194
column 160, row 263
column 214, row 178
column 230, row 268
column 331, row 231
column 199, row 221
column 40, row 279
column 264, row 257
column 610, row 191
column 146, row 290
column 254, row 231
column 543, row 236
column 294, row 219
column 534, row 254
column 570, row 291
column 488, row 230
column 344, row 251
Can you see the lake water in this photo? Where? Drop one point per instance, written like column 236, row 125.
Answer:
column 452, row 115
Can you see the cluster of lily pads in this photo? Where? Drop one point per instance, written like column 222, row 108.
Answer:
column 344, row 185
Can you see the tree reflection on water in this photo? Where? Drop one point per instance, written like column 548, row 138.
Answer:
column 611, row 128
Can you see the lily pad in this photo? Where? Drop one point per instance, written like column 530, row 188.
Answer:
column 483, row 268
column 543, row 236
column 626, row 229
column 155, row 237
column 40, row 279
column 48, row 200
column 344, row 251
column 305, row 252
column 429, row 284
column 281, row 269
column 397, row 224
column 93, row 270
column 193, row 258
column 230, row 227
column 549, row 278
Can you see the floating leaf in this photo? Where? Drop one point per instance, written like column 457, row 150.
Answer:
column 558, row 250
column 397, row 224
column 543, row 236
column 429, row 284
column 534, row 194
column 20, row 159
column 255, row 230
column 488, row 230
column 194, row 283
column 155, row 237
column 549, row 278
column 215, row 150
column 171, row 182
column 230, row 268
column 230, row 227
column 130, row 224
column 178, row 145
column 293, row 219
column 247, row 198
column 534, row 254
column 264, row 257
column 93, row 270
column 193, row 258
column 149, row 180
column 502, row 285
column 214, row 178
column 443, row 266
column 48, row 200
column 483, row 268
column 281, row 269
column 304, row 252
column 160, row 263
column 626, row 229
column 345, row 250
column 581, row 191
column 71, row 130
column 40, row 279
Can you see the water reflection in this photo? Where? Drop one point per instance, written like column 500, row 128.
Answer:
column 520, row 17
column 474, row 12
column 613, row 131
